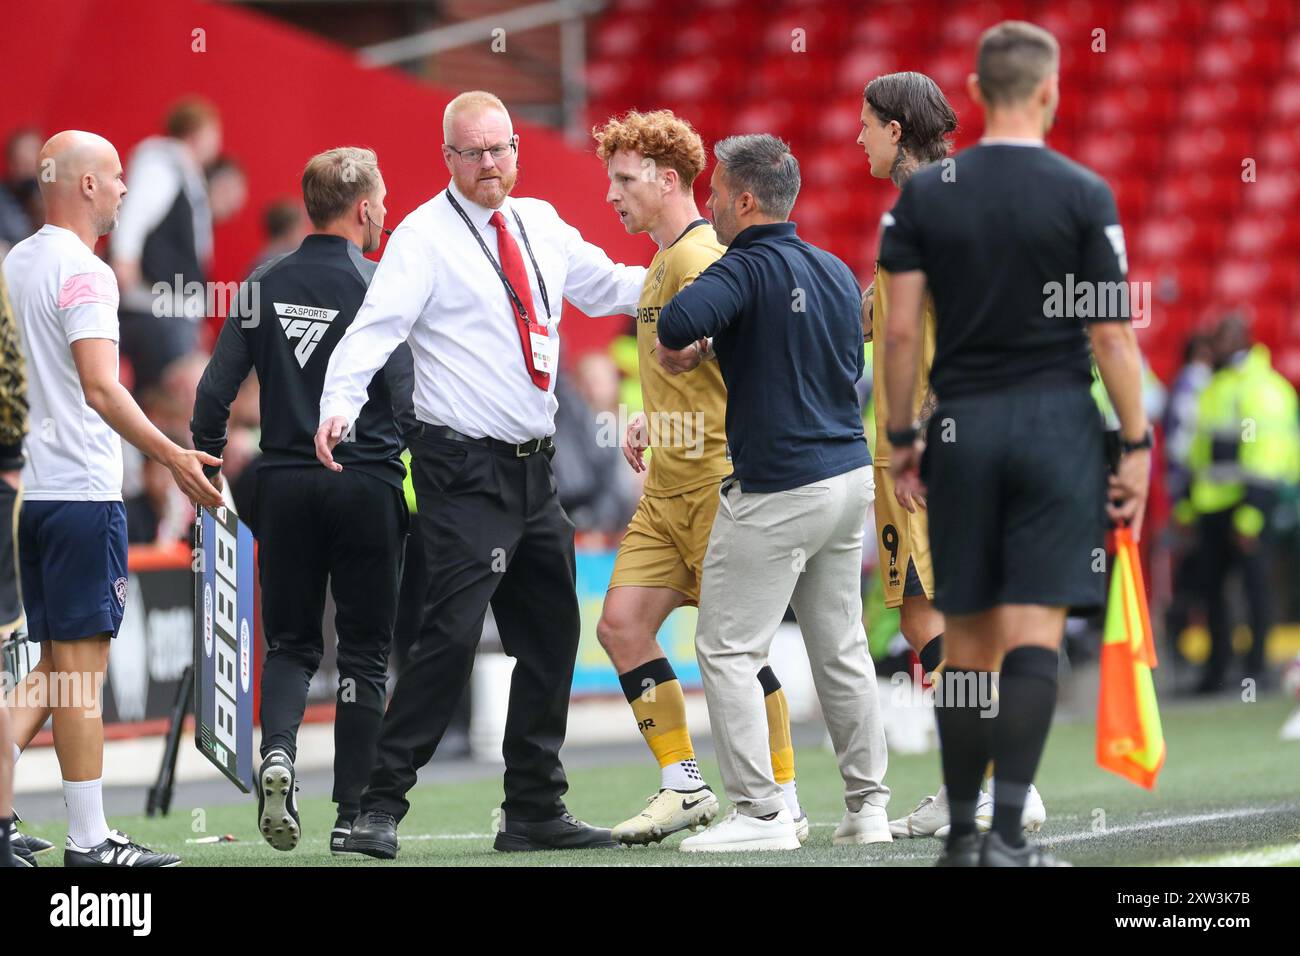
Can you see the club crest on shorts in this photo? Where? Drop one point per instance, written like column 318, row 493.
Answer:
column 119, row 588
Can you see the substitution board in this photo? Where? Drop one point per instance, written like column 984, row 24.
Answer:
column 223, row 643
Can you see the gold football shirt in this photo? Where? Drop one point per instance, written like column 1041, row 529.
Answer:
column 879, row 314
column 686, row 414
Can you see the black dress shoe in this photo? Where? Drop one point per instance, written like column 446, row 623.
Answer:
column 374, row 833
column 564, row 832
column 35, row 844
column 20, row 855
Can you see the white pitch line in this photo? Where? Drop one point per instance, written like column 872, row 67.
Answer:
column 1159, row 823
column 448, row 836
column 1269, row 856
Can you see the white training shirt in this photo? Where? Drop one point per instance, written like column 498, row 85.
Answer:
column 61, row 293
column 435, row 289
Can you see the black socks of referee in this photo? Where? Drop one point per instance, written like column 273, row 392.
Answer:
column 971, row 736
column 963, row 702
column 1026, row 701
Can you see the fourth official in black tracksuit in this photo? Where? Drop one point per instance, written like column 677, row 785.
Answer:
column 314, row 525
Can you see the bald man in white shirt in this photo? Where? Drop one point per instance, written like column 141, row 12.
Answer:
column 473, row 281
column 72, row 528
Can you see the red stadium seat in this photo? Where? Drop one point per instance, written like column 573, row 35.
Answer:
column 1175, row 282
column 894, row 24
column 1225, row 104
column 619, row 36
column 948, row 66
column 964, row 24
column 1263, row 235
column 1279, row 148
column 1251, row 16
column 1138, row 61
column 1291, row 54
column 1110, row 151
column 1169, row 237
column 863, row 63
column 1134, row 106
column 1161, row 18
column 1286, row 101
column 793, row 71
column 1201, row 192
column 1205, row 147
column 761, row 116
column 839, row 124
column 1254, row 279
column 1280, row 190
column 1239, row 56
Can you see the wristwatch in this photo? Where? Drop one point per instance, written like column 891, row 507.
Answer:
column 1143, row 444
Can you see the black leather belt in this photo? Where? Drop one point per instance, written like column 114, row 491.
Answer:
column 521, row 450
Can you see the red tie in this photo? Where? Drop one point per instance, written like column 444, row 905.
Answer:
column 512, row 264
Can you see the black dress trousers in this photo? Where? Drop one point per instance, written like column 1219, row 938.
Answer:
column 495, row 533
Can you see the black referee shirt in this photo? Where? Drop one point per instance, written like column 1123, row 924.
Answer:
column 1021, row 247
column 290, row 314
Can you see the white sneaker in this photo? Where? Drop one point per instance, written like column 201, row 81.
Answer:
column 1035, row 814
column 737, row 833
column 802, row 827
column 666, row 813
column 1291, row 729
column 929, row 817
column 869, row 825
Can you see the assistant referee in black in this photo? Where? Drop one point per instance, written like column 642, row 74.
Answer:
column 313, row 525
column 1024, row 255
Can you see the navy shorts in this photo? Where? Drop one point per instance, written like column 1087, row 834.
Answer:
column 72, row 556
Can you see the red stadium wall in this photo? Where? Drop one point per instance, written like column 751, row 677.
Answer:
column 114, row 67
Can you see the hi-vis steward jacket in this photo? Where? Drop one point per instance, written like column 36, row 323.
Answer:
column 1247, row 444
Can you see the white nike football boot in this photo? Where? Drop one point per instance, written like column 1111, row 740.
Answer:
column 666, row 813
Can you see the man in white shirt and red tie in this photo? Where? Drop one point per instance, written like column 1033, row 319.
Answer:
column 473, row 281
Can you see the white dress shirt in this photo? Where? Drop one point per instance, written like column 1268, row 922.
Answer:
column 435, row 289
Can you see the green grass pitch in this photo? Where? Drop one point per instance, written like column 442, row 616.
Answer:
column 1229, row 794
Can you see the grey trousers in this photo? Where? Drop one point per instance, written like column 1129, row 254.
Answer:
column 801, row 547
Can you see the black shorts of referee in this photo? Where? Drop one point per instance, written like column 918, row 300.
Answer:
column 1017, row 491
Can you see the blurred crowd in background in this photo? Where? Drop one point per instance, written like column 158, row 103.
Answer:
column 1222, row 542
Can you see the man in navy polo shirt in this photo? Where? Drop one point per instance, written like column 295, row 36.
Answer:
column 785, row 322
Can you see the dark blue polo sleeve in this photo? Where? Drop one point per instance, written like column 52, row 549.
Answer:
column 705, row 307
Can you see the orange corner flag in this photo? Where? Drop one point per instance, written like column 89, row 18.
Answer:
column 1130, row 741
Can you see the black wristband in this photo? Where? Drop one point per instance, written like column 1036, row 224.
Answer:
column 902, row 438
column 1143, row 444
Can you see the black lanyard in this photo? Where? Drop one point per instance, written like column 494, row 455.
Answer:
column 510, row 289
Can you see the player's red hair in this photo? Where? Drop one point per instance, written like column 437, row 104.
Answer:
column 659, row 136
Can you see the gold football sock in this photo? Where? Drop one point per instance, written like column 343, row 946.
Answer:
column 660, row 709
column 778, row 726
